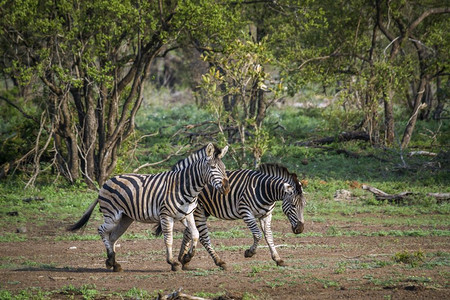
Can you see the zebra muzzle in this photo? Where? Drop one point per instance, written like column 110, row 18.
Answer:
column 299, row 228
column 225, row 188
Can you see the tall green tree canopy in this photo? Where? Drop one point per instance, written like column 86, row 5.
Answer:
column 90, row 60
column 79, row 67
column 372, row 52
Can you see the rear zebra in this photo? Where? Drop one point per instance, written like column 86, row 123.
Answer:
column 252, row 196
column 156, row 198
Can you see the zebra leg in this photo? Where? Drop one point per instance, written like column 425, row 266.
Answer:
column 200, row 220
column 194, row 239
column 266, row 227
column 116, row 233
column 257, row 234
column 110, row 231
column 167, row 229
column 185, row 244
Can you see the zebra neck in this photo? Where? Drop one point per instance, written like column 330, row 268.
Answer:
column 277, row 192
column 191, row 181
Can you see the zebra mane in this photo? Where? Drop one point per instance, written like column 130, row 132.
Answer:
column 281, row 171
column 200, row 153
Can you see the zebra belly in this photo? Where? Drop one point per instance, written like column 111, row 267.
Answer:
column 154, row 219
column 186, row 209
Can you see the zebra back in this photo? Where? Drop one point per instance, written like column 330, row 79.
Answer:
column 282, row 172
column 201, row 153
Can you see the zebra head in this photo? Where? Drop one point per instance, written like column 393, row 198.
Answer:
column 215, row 168
column 293, row 200
column 293, row 204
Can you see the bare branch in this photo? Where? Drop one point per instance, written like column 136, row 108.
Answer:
column 19, row 109
column 38, row 153
column 161, row 161
column 317, row 58
column 425, row 14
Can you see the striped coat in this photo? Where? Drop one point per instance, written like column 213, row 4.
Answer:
column 252, row 197
column 157, row 198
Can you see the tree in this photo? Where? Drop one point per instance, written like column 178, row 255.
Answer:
column 372, row 52
column 90, row 60
column 234, row 87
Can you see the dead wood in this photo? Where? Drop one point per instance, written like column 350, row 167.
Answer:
column 28, row 200
column 380, row 195
column 440, row 196
column 342, row 137
column 350, row 153
column 178, row 295
column 425, row 153
column 161, row 161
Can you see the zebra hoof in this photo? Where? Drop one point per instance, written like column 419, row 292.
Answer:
column 176, row 267
column 223, row 265
column 186, row 267
column 281, row 263
column 108, row 264
column 186, row 258
column 117, row 268
column 249, row 253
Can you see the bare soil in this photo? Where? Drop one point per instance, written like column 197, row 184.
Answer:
column 318, row 267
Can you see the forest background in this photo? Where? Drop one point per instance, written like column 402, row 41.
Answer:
column 78, row 76
column 350, row 95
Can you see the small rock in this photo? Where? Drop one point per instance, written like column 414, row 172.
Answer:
column 342, row 195
column 22, row 229
column 72, row 248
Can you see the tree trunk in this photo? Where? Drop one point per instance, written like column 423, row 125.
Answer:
column 428, row 98
column 90, row 139
column 262, row 105
column 389, row 121
column 440, row 96
column 417, row 106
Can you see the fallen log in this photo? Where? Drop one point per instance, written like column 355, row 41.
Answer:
column 440, row 196
column 424, row 153
column 342, row 137
column 380, row 195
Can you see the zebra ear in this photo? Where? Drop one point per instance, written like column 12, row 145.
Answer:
column 224, row 151
column 289, row 189
column 210, row 150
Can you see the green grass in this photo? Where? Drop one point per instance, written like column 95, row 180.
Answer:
column 31, row 293
column 323, row 168
column 136, row 293
column 87, row 291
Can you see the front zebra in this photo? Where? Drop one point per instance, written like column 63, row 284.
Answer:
column 252, row 196
column 156, row 198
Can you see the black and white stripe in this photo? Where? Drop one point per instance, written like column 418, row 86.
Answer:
column 252, row 197
column 158, row 198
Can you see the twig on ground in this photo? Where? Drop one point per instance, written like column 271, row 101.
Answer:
column 425, row 153
column 178, row 295
column 351, row 257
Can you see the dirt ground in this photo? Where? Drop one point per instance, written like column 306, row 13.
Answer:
column 318, row 267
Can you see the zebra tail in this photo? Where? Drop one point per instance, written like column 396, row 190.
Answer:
column 84, row 219
column 158, row 229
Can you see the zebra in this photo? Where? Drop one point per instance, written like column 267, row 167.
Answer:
column 252, row 196
column 156, row 198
